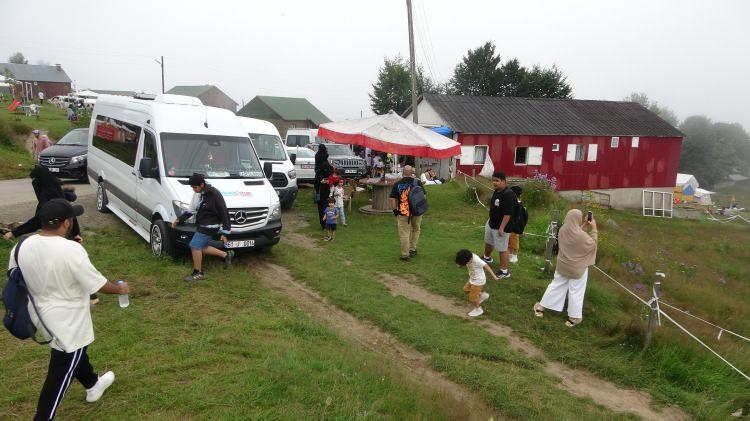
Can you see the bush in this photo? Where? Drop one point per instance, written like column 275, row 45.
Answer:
column 20, row 128
column 6, row 136
column 538, row 193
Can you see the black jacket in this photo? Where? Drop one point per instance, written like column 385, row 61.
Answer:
column 46, row 187
column 212, row 210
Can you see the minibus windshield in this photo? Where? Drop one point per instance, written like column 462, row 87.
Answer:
column 269, row 147
column 212, row 156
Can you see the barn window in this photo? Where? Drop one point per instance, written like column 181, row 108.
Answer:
column 531, row 155
column 575, row 152
column 593, row 148
column 636, row 140
column 521, row 155
column 615, row 142
column 480, row 154
column 555, row 147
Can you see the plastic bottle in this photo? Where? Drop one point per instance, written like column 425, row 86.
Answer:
column 123, row 298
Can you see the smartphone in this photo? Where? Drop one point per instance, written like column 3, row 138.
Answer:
column 589, row 216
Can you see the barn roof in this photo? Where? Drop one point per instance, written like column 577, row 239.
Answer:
column 286, row 108
column 536, row 116
column 195, row 90
column 36, row 72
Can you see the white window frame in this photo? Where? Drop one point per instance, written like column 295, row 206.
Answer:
column 515, row 154
column 615, row 142
column 658, row 204
column 573, row 149
column 467, row 155
column 592, row 151
column 635, row 142
column 486, row 153
column 532, row 153
column 555, row 147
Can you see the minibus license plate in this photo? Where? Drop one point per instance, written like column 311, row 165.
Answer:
column 239, row 244
column 350, row 171
column 52, row 169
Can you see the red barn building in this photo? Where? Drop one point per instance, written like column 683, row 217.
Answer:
column 618, row 148
column 32, row 78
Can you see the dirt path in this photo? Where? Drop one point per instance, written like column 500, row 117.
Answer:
column 375, row 340
column 577, row 382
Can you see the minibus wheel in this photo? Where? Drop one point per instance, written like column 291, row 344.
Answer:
column 161, row 241
column 101, row 199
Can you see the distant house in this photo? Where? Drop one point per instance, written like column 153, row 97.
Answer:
column 107, row 92
column 208, row 94
column 285, row 113
column 32, row 78
column 613, row 147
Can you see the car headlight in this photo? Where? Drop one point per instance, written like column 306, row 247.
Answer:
column 292, row 174
column 180, row 207
column 77, row 159
column 275, row 211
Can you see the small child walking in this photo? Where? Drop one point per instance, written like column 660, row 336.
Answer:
column 477, row 279
column 514, row 242
column 338, row 195
column 330, row 216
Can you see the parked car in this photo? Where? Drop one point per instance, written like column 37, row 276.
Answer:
column 142, row 152
column 67, row 157
column 304, row 163
column 343, row 158
column 267, row 143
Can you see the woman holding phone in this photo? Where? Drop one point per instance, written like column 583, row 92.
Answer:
column 577, row 252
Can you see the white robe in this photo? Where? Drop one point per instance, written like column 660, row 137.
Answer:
column 559, row 288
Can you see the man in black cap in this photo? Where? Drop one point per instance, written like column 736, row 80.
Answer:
column 61, row 281
column 211, row 217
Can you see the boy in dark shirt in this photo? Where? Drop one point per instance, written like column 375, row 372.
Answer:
column 496, row 230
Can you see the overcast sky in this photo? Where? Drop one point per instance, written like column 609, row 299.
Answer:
column 692, row 56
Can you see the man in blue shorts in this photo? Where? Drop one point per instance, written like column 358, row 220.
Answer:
column 211, row 218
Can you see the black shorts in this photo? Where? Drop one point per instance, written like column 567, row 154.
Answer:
column 331, row 227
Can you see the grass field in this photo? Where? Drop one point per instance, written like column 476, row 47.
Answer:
column 695, row 255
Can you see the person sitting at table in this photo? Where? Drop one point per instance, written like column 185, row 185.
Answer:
column 428, row 177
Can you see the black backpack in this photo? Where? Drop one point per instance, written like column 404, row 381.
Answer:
column 519, row 219
column 16, row 298
column 417, row 199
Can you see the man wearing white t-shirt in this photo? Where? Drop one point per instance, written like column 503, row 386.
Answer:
column 60, row 277
column 477, row 279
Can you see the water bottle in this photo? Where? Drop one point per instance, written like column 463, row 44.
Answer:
column 123, row 298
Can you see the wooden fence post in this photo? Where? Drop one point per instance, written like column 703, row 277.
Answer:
column 551, row 241
column 654, row 317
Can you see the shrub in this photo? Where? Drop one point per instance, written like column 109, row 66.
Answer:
column 6, row 136
column 20, row 128
column 538, row 193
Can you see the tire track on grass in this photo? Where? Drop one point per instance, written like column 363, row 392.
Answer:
column 465, row 403
column 576, row 382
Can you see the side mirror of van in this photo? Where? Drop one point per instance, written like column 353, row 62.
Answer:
column 268, row 170
column 146, row 168
column 293, row 158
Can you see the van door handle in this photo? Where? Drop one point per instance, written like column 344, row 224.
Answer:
column 132, row 173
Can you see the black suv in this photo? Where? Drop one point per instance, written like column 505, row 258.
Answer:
column 67, row 157
column 342, row 158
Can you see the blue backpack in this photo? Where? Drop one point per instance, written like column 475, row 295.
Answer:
column 417, row 199
column 16, row 297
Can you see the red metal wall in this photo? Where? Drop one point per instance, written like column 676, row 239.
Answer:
column 51, row 89
column 653, row 164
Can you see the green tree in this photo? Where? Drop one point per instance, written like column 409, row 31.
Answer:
column 482, row 72
column 18, row 58
column 392, row 91
column 712, row 151
column 664, row 112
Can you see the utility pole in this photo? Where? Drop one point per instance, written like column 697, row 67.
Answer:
column 162, row 72
column 412, row 66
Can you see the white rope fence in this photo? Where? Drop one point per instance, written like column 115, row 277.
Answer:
column 646, row 303
column 474, row 189
column 721, row 329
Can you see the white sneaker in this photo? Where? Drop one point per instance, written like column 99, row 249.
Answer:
column 483, row 297
column 487, row 259
column 476, row 312
column 96, row 392
column 513, row 258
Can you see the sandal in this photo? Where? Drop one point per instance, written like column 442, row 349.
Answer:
column 538, row 310
column 572, row 323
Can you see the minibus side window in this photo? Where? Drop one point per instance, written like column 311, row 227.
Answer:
column 116, row 138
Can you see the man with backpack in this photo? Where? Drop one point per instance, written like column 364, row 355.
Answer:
column 56, row 278
column 498, row 227
column 409, row 203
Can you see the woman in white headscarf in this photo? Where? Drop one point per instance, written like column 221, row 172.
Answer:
column 577, row 251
